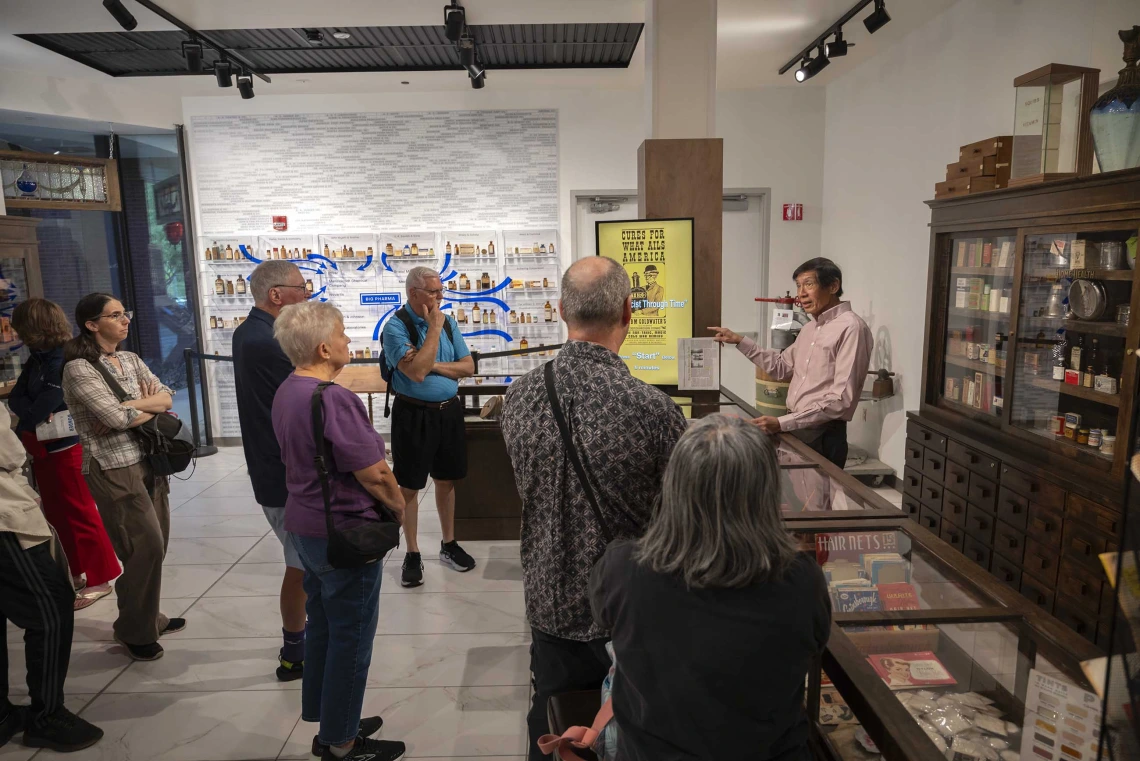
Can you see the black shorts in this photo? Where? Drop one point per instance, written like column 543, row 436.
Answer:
column 427, row 442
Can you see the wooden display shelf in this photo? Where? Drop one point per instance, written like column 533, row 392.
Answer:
column 992, row 271
column 1080, row 392
column 972, row 364
column 982, row 313
column 1089, row 274
column 1076, row 326
column 1065, row 442
column 970, row 409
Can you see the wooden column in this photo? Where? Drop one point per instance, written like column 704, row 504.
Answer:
column 685, row 178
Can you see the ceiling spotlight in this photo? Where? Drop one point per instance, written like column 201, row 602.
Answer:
column 802, row 71
column 192, row 52
column 314, row 36
column 223, row 71
column 245, row 85
column 454, row 21
column 838, row 46
column 466, row 49
column 479, row 80
column 342, row 35
column 878, row 19
column 813, row 66
column 121, row 14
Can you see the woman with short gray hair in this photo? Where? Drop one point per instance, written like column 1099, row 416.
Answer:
column 715, row 618
column 343, row 603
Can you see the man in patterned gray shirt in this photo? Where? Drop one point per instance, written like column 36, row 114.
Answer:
column 624, row 431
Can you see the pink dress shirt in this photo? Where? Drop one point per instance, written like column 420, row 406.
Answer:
column 826, row 366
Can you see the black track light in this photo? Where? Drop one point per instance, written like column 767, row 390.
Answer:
column 223, row 71
column 192, row 52
column 466, row 48
column 802, row 72
column 454, row 21
column 813, row 66
column 245, row 85
column 879, row 18
column 121, row 14
column 314, row 36
column 479, row 80
column 838, row 46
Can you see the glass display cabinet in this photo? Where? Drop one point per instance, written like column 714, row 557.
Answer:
column 19, row 280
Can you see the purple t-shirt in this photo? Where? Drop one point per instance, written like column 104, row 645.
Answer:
column 351, row 443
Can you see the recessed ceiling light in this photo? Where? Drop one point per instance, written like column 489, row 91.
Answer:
column 55, row 153
column 405, row 82
column 342, row 35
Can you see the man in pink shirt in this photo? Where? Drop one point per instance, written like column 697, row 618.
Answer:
column 826, row 365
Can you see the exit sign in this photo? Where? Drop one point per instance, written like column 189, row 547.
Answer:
column 793, row 212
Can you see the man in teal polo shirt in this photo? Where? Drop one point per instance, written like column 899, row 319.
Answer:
column 428, row 437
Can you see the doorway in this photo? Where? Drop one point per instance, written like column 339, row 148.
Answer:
column 744, row 249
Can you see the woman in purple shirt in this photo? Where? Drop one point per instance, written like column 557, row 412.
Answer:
column 343, row 604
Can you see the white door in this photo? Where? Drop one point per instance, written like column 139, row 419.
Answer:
column 744, row 269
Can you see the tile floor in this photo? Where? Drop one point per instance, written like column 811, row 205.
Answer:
column 449, row 667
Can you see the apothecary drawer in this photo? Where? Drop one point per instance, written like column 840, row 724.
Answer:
column 953, row 507
column 973, row 459
column 931, row 494
column 933, row 465
column 1037, row 489
column 911, row 507
column 1084, row 545
column 1006, row 571
column 1041, row 561
column 928, row 438
column 1013, row 508
column 1037, row 592
column 957, row 478
column 979, row 524
column 952, row 534
column 1045, row 526
column 930, row 519
column 1009, row 542
column 1075, row 618
column 912, row 482
column 983, row 492
column 912, row 454
column 976, row 551
column 1098, row 516
column 1084, row 588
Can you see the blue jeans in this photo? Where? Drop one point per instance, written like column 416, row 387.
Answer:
column 343, row 607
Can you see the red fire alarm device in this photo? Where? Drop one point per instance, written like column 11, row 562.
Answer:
column 793, row 212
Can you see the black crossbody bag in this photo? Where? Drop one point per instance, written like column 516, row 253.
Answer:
column 359, row 541
column 572, row 452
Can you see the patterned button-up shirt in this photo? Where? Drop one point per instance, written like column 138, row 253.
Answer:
column 102, row 422
column 624, row 430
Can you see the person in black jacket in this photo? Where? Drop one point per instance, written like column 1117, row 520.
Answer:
column 260, row 366
column 58, row 462
column 715, row 618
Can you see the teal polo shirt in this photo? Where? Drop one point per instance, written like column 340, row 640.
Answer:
column 434, row 388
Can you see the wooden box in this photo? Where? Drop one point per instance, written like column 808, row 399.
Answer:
column 963, row 185
column 983, row 166
column 1000, row 147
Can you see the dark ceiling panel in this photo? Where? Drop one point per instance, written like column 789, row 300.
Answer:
column 369, row 48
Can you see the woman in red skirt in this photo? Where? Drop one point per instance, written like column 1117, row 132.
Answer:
column 38, row 399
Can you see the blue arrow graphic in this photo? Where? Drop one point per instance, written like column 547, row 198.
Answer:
column 448, row 276
column 318, row 293
column 498, row 333
column 310, row 269
column 314, row 257
column 384, row 261
column 247, row 255
column 380, row 322
column 366, row 265
column 446, row 261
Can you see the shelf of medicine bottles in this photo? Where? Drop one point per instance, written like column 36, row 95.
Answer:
column 1045, row 434
column 1081, row 392
column 982, row 313
column 458, row 259
column 1073, row 326
column 1057, row 274
column 990, row 271
column 226, row 262
column 537, row 290
column 395, row 258
column 973, row 364
column 969, row 408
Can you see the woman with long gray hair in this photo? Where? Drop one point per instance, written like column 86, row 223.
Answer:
column 714, row 616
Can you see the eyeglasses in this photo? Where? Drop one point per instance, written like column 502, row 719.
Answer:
column 116, row 316
column 283, row 285
column 431, row 292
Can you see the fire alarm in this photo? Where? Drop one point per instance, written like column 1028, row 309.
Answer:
column 793, row 212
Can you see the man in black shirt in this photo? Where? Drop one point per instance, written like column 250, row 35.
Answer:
column 260, row 366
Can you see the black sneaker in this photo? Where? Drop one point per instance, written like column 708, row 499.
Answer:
column 368, row 727
column 453, row 555
column 369, row 750
column 173, row 625
column 412, row 573
column 62, row 732
column 288, row 671
column 151, row 652
column 12, row 723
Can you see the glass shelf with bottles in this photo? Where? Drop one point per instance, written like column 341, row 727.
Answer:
column 466, row 285
column 974, row 367
column 470, row 314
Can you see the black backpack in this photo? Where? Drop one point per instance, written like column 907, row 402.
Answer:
column 386, row 370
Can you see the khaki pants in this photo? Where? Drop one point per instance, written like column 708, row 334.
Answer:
column 135, row 508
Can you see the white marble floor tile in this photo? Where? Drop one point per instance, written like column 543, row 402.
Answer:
column 94, row 624
column 441, row 721
column 450, row 660
column 208, row 550
column 241, row 488
column 14, row 751
column 93, row 666
column 205, row 526
column 250, row 580
column 459, row 613
column 203, row 726
column 488, row 575
column 190, row 580
column 268, row 550
column 219, row 506
column 223, row 617
column 207, row 665
column 429, row 544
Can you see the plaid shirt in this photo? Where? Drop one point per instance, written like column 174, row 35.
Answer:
column 96, row 409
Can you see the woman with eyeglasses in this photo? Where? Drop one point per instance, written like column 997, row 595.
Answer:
column 133, row 501
column 57, row 462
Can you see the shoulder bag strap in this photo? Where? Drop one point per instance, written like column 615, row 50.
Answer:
column 321, row 457
column 572, row 451
column 113, row 384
